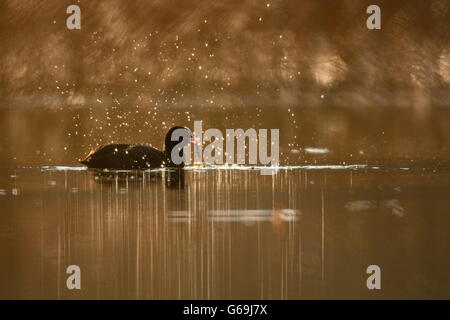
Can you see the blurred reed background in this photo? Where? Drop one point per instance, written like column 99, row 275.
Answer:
column 225, row 53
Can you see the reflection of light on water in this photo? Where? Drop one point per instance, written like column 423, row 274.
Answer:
column 307, row 167
column 359, row 205
column 392, row 205
column 238, row 215
column 180, row 213
column 241, row 218
column 197, row 168
column 180, row 216
column 317, row 150
column 62, row 168
column 225, row 232
column 239, row 212
column 289, row 214
column 395, row 207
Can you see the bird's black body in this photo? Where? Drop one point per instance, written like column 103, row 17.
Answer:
column 133, row 156
column 125, row 156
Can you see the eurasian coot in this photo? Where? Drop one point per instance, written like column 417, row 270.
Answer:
column 135, row 156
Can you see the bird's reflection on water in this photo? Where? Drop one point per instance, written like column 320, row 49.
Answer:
column 224, row 234
column 174, row 178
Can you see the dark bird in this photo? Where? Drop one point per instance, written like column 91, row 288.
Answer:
column 135, row 156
